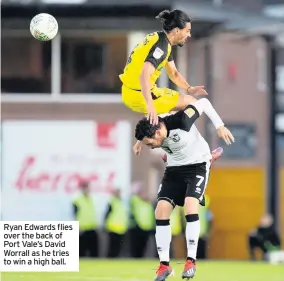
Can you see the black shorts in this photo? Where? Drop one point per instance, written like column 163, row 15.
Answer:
column 184, row 181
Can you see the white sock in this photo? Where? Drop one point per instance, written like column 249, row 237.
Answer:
column 192, row 235
column 163, row 239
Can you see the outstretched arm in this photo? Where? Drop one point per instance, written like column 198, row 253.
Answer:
column 184, row 119
column 204, row 105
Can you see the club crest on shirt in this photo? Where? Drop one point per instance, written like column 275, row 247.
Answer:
column 175, row 138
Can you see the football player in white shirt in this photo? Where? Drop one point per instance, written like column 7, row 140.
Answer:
column 216, row 153
column 185, row 178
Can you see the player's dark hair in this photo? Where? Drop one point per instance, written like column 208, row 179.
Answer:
column 145, row 130
column 173, row 19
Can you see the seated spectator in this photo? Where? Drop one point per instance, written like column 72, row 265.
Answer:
column 265, row 238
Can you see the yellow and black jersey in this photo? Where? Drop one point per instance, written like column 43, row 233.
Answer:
column 156, row 49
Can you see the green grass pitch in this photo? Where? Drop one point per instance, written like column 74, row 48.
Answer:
column 144, row 270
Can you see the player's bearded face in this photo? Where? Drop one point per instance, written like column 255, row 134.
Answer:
column 183, row 34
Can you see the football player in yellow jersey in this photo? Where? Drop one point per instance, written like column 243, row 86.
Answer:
column 145, row 64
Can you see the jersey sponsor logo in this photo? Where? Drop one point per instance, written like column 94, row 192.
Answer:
column 158, row 53
column 190, row 112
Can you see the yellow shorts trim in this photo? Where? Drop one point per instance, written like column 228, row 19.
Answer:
column 166, row 100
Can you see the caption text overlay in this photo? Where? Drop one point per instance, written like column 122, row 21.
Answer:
column 39, row 246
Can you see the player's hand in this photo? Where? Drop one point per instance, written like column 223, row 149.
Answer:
column 226, row 135
column 137, row 148
column 152, row 115
column 197, row 91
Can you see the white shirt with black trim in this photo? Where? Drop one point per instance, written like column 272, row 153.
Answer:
column 184, row 144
